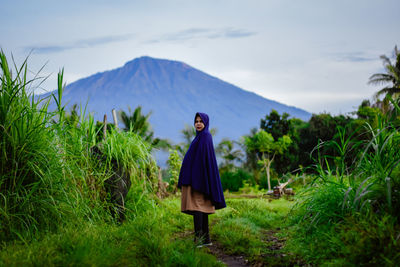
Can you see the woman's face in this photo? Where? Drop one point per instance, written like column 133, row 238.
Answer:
column 199, row 124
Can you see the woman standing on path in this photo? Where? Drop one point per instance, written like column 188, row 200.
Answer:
column 199, row 180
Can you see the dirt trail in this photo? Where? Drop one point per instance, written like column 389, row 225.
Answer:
column 273, row 257
column 273, row 243
column 230, row 260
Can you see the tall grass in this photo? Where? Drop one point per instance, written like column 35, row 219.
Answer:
column 351, row 197
column 373, row 182
column 30, row 165
column 378, row 169
column 49, row 176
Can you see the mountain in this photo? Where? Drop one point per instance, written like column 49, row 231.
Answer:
column 173, row 91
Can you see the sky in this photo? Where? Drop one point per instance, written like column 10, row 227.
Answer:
column 313, row 54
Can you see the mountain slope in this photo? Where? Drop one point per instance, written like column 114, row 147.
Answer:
column 174, row 92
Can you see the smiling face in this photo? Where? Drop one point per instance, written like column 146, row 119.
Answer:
column 199, row 124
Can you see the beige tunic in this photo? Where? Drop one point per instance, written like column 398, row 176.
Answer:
column 192, row 200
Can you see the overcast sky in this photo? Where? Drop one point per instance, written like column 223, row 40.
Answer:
column 313, row 54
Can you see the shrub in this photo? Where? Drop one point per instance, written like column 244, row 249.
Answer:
column 174, row 166
column 233, row 181
column 321, row 204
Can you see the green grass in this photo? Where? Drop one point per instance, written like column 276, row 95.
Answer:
column 355, row 241
column 327, row 229
column 245, row 226
column 31, row 181
column 157, row 235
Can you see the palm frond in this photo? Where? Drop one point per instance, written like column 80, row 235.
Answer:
column 380, row 78
column 388, row 91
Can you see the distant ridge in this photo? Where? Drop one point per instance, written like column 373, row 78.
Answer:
column 174, row 92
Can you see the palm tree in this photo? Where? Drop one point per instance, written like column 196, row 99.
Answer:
column 136, row 121
column 226, row 150
column 139, row 123
column 391, row 78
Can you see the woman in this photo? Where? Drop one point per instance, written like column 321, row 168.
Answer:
column 199, row 180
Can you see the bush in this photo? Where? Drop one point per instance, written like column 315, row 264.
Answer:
column 355, row 241
column 233, row 181
column 370, row 241
column 174, row 163
column 321, row 204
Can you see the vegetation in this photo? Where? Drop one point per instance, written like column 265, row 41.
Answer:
column 154, row 235
column 391, row 77
column 56, row 207
column 347, row 214
column 174, row 167
column 230, row 156
column 49, row 175
column 234, row 180
column 263, row 143
column 249, row 227
column 139, row 123
column 31, row 190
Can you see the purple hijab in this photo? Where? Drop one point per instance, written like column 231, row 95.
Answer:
column 199, row 167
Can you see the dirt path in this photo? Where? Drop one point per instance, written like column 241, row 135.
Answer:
column 230, row 260
column 273, row 257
